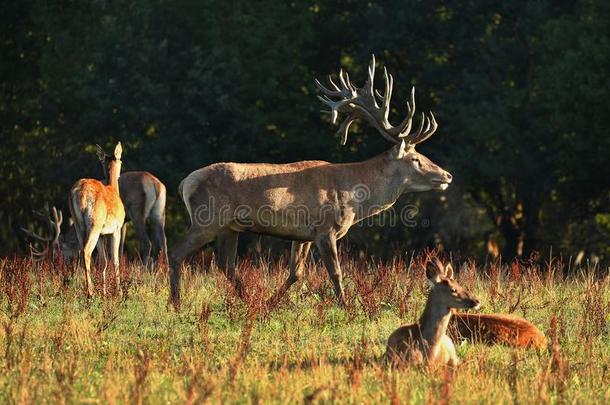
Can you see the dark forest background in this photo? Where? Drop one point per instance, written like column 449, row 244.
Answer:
column 519, row 88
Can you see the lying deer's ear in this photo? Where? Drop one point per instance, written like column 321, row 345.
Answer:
column 449, row 271
column 400, row 150
column 433, row 273
column 101, row 155
column 118, row 151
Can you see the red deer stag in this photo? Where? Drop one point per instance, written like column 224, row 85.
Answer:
column 97, row 210
column 143, row 197
column 309, row 201
column 55, row 243
column 426, row 342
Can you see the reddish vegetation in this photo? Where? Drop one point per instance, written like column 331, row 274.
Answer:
column 491, row 329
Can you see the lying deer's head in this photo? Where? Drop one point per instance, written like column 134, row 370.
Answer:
column 447, row 292
column 417, row 172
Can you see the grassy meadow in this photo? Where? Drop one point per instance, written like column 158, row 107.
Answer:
column 56, row 347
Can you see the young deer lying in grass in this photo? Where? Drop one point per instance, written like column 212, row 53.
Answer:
column 426, row 341
column 493, row 329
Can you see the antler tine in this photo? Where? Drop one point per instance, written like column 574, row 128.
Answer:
column 369, row 86
column 332, row 83
column 34, row 235
column 389, row 85
column 327, row 92
column 431, row 126
column 405, row 126
column 412, row 137
column 58, row 216
column 38, row 255
column 56, row 221
column 334, row 106
column 344, row 97
column 422, row 133
column 344, row 128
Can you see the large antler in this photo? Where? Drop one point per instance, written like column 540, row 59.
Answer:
column 362, row 103
column 53, row 219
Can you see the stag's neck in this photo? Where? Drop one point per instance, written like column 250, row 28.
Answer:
column 114, row 171
column 380, row 179
column 433, row 322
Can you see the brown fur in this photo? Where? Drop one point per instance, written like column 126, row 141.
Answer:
column 144, row 198
column 426, row 342
column 96, row 210
column 326, row 192
column 492, row 329
column 306, row 202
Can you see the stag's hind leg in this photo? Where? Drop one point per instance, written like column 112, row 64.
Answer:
column 194, row 240
column 227, row 257
column 327, row 246
column 298, row 255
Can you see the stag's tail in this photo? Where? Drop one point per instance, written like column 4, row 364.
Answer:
column 185, row 199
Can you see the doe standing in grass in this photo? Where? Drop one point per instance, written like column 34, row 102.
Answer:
column 426, row 342
column 96, row 210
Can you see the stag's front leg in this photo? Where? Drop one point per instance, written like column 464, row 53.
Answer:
column 116, row 258
column 194, row 240
column 226, row 244
column 298, row 254
column 327, row 246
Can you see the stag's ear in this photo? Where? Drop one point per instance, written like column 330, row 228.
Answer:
column 400, row 150
column 449, row 271
column 118, row 151
column 101, row 155
column 434, row 273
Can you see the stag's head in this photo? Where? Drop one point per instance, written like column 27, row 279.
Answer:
column 417, row 172
column 54, row 243
column 446, row 292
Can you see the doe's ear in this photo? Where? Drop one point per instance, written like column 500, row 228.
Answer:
column 118, row 151
column 434, row 273
column 449, row 271
column 101, row 155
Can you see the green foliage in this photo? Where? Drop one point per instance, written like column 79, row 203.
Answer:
column 518, row 89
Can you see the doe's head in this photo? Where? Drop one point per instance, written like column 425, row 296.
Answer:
column 108, row 161
column 446, row 291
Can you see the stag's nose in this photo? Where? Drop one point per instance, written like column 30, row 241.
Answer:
column 449, row 177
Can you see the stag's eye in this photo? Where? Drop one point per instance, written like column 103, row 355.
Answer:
column 416, row 160
column 453, row 291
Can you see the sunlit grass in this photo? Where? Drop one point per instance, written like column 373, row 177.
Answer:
column 57, row 347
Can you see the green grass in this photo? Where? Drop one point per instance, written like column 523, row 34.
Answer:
column 57, row 347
